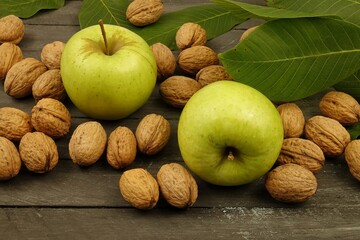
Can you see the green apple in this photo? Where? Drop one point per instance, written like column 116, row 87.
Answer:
column 229, row 133
column 108, row 71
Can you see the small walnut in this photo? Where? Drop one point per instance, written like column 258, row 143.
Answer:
column 49, row 85
column 328, row 134
column 247, row 32
column 303, row 152
column 21, row 76
column 51, row 117
column 152, row 134
column 292, row 118
column 51, row 54
column 10, row 162
column 38, row 152
column 121, row 148
column 212, row 74
column 165, row 60
column 139, row 188
column 341, row 107
column 177, row 90
column 14, row 123
column 291, row 183
column 352, row 158
column 12, row 29
column 10, row 54
column 192, row 60
column 87, row 143
column 144, row 12
column 177, row 185
column 190, row 34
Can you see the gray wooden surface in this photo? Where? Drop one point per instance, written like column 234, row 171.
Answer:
column 72, row 202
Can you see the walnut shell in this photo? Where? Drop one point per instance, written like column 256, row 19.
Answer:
column 144, row 12
column 328, row 134
column 121, row 148
column 212, row 74
column 190, row 34
column 291, row 183
column 293, row 119
column 177, row 90
column 21, row 76
column 14, row 123
column 49, row 85
column 303, row 152
column 12, row 29
column 51, row 117
column 352, row 158
column 165, row 60
column 341, row 107
column 10, row 162
column 247, row 32
column 38, row 152
column 139, row 188
column 51, row 54
column 152, row 134
column 87, row 143
column 10, row 54
column 192, row 60
column 177, row 185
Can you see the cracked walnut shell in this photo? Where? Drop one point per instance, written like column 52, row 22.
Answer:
column 190, row 34
column 51, row 117
column 10, row 162
column 87, row 143
column 38, row 152
column 21, row 76
column 328, row 134
column 14, row 123
column 12, row 29
column 139, row 188
column 121, row 148
column 177, row 185
column 152, row 134
column 10, row 54
column 341, row 107
column 144, row 12
column 291, row 183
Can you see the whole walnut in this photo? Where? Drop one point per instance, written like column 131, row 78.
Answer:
column 38, row 152
column 12, row 29
column 10, row 162
column 352, row 158
column 190, row 34
column 10, row 54
column 293, row 119
column 87, row 143
column 144, row 12
column 49, row 85
column 165, row 60
column 139, row 188
column 247, row 32
column 51, row 117
column 212, row 74
column 14, row 123
column 51, row 54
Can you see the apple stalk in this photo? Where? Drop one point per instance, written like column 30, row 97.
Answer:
column 103, row 33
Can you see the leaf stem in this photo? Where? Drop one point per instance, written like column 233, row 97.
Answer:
column 101, row 23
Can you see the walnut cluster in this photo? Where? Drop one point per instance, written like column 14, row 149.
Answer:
column 308, row 142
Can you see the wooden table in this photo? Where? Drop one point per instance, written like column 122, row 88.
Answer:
column 73, row 202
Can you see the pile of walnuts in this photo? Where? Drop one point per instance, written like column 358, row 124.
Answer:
column 308, row 142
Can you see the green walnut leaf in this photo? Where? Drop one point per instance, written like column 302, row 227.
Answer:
column 350, row 85
column 215, row 19
column 354, row 131
column 349, row 10
column 246, row 10
column 27, row 8
column 290, row 59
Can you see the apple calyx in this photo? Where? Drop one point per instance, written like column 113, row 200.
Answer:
column 230, row 154
column 103, row 33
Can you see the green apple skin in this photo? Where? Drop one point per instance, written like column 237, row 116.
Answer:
column 229, row 116
column 110, row 86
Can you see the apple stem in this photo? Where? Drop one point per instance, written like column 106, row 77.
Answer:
column 101, row 23
column 230, row 156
